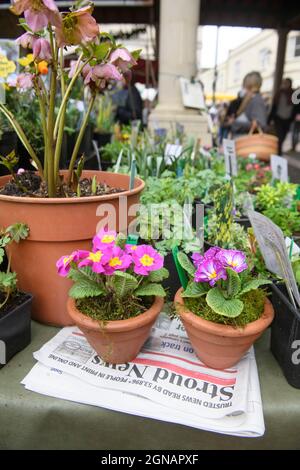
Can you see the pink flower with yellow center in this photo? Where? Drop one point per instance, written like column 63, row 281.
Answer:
column 146, row 259
column 211, row 271
column 77, row 27
column 105, row 238
column 64, row 263
column 130, row 248
column 38, row 13
column 119, row 261
column 233, row 259
column 96, row 260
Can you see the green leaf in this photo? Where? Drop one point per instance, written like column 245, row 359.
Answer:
column 8, row 280
column 159, row 275
column 102, row 49
column 194, row 290
column 85, row 288
column 185, row 263
column 136, row 54
column 83, row 274
column 150, row 289
column 253, row 285
column 124, row 283
column 18, row 232
column 2, row 252
column 233, row 283
column 228, row 308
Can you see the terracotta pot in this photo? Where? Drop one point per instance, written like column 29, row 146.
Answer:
column 119, row 341
column 58, row 227
column 221, row 346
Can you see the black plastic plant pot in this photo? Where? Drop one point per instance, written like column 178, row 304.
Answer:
column 244, row 222
column 15, row 330
column 102, row 139
column 285, row 335
column 172, row 284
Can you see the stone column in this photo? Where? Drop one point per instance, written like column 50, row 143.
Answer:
column 179, row 20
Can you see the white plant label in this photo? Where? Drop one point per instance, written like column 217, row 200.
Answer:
column 273, row 249
column 172, row 152
column 279, row 166
column 230, row 157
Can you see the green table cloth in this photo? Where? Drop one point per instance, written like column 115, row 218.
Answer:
column 32, row 421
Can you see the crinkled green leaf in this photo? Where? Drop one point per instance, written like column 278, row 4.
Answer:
column 159, row 275
column 18, row 232
column 227, row 307
column 150, row 289
column 124, row 283
column 194, row 290
column 233, row 283
column 8, row 280
column 186, row 264
column 253, row 285
column 85, row 288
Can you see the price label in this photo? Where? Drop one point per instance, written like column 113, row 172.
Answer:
column 172, row 152
column 279, row 167
column 230, row 157
column 273, row 249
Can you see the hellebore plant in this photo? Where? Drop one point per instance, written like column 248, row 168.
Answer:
column 222, row 276
column 100, row 59
column 114, row 270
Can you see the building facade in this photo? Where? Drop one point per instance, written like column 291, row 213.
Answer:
column 258, row 53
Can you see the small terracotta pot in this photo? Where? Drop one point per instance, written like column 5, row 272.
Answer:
column 118, row 341
column 221, row 346
column 59, row 226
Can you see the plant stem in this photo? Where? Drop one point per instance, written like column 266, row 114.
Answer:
column 80, row 137
column 41, row 100
column 62, row 79
column 5, row 300
column 68, row 91
column 51, row 180
column 59, row 141
column 19, row 131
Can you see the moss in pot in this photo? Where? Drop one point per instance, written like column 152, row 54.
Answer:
column 117, row 294
column 223, row 308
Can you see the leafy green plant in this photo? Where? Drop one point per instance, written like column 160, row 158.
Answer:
column 285, row 218
column 105, row 115
column 296, row 268
column 279, row 195
column 8, row 280
column 223, row 279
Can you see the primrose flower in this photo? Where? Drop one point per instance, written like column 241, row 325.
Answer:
column 130, row 248
column 24, row 81
column 76, row 27
column 212, row 252
column 64, row 263
column 41, row 49
column 146, row 259
column 197, row 259
column 95, row 260
column 38, row 13
column 122, row 59
column 105, row 238
column 233, row 259
column 210, row 271
column 118, row 261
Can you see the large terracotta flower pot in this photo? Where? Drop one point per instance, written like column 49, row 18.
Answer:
column 118, row 341
column 221, row 346
column 59, row 226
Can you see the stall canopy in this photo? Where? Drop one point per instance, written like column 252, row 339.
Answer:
column 255, row 13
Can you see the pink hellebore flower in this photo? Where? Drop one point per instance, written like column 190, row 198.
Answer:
column 122, row 58
column 77, row 27
column 24, row 81
column 101, row 73
column 38, row 13
column 146, row 259
column 64, row 263
column 95, row 260
column 104, row 239
column 41, row 49
column 25, row 40
column 119, row 261
column 210, row 271
column 233, row 259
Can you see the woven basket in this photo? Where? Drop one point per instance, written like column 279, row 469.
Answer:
column 263, row 145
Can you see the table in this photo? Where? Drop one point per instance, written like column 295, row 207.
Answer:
column 32, row 421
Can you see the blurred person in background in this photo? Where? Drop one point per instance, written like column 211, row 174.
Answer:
column 252, row 112
column 132, row 106
column 283, row 111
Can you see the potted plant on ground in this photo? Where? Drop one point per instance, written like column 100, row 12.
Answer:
column 285, row 332
column 60, row 207
column 222, row 307
column 15, row 306
column 116, row 294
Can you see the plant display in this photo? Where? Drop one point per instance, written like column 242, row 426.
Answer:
column 221, row 288
column 8, row 279
column 100, row 59
column 285, row 218
column 279, row 195
column 115, row 280
column 251, row 175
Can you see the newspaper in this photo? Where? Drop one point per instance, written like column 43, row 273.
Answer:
column 166, row 381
